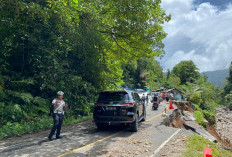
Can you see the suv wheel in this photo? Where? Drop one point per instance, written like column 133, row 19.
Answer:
column 135, row 124
column 100, row 126
column 144, row 115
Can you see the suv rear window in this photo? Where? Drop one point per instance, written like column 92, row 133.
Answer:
column 112, row 96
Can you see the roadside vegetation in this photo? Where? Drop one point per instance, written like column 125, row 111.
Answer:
column 196, row 145
column 81, row 48
column 202, row 94
column 226, row 94
column 41, row 123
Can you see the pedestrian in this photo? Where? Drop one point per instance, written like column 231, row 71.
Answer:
column 163, row 96
column 167, row 97
column 58, row 115
column 144, row 98
column 147, row 99
column 182, row 96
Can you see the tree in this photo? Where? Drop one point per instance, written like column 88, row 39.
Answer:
column 186, row 71
column 146, row 73
column 174, row 81
column 76, row 46
column 205, row 76
column 228, row 86
column 227, row 93
column 230, row 74
column 168, row 74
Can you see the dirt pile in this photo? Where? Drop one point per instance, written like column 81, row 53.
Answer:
column 184, row 105
column 175, row 119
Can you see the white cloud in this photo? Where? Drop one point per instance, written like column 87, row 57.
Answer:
column 200, row 33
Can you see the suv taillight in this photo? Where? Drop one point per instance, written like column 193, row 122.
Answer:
column 127, row 104
column 98, row 104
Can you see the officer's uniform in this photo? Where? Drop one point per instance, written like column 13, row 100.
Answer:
column 58, row 117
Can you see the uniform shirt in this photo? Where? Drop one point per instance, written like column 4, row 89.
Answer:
column 59, row 108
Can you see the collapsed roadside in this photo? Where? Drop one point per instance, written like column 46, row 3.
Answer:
column 192, row 141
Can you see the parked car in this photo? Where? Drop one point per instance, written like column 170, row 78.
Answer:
column 119, row 107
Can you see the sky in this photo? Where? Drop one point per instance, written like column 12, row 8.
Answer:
column 200, row 30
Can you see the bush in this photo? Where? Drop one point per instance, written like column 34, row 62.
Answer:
column 43, row 123
column 210, row 117
column 228, row 101
column 196, row 98
column 200, row 118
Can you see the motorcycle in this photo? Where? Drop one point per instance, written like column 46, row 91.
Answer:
column 155, row 104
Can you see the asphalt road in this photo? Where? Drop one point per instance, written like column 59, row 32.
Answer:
column 83, row 139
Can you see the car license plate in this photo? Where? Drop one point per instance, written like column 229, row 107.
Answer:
column 110, row 108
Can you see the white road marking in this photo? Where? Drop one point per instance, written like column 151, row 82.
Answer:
column 164, row 143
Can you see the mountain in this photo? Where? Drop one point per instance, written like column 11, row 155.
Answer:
column 217, row 77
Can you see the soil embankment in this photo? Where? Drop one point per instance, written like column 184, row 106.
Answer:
column 221, row 130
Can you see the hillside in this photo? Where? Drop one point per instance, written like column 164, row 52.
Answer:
column 217, row 77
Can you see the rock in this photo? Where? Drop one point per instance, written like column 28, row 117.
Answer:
column 224, row 123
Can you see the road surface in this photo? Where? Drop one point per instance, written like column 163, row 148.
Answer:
column 83, row 140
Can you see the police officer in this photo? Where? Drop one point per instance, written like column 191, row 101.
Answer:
column 58, row 116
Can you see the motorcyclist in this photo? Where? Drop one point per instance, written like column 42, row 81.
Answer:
column 155, row 102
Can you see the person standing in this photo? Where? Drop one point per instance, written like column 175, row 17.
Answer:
column 58, row 115
column 147, row 99
column 167, row 97
column 182, row 96
column 144, row 98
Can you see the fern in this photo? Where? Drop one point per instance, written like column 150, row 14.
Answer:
column 25, row 97
column 21, row 85
column 40, row 101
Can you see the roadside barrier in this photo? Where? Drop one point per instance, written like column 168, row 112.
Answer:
column 207, row 152
column 171, row 106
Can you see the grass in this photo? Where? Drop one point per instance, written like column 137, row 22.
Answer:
column 200, row 118
column 11, row 129
column 196, row 145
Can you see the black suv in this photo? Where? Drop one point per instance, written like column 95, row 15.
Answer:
column 119, row 107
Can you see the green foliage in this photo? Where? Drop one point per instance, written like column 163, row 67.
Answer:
column 41, row 123
column 186, row 71
column 228, row 100
column 210, row 117
column 79, row 47
column 168, row 74
column 227, row 93
column 20, row 128
column 146, row 73
column 174, row 81
column 196, row 98
column 189, row 89
column 196, row 145
column 200, row 118
column 197, row 89
column 230, row 74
